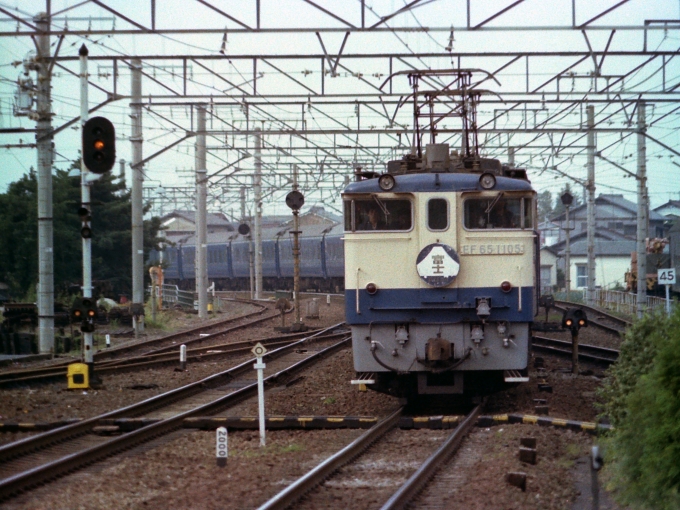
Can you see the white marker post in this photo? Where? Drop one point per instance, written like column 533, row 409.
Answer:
column 221, row 446
column 667, row 277
column 259, row 350
column 183, row 357
column 108, row 340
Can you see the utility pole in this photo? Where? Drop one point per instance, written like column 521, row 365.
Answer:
column 642, row 211
column 201, row 220
column 590, row 293
column 257, row 190
column 511, row 157
column 136, row 198
column 88, row 346
column 45, row 222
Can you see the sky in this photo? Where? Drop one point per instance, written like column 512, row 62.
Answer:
column 225, row 79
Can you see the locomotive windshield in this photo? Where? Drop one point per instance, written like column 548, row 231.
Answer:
column 498, row 212
column 370, row 213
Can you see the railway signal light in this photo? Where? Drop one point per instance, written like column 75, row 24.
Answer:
column 99, row 145
column 84, row 215
column 84, row 310
column 574, row 319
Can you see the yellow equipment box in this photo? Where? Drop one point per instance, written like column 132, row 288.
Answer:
column 78, row 376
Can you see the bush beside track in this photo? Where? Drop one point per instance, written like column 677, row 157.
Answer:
column 642, row 395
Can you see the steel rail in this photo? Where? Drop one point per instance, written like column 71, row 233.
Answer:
column 139, row 362
column 58, row 369
column 585, row 351
column 54, row 469
column 316, row 476
column 614, row 318
column 24, row 446
column 128, row 347
column 410, row 489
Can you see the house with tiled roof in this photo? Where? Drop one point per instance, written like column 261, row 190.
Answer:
column 670, row 209
column 615, row 241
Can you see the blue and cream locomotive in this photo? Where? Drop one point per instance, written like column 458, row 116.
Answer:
column 441, row 274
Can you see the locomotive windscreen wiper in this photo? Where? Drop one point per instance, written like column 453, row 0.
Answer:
column 494, row 202
column 382, row 206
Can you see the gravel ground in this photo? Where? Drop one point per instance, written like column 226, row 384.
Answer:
column 179, row 471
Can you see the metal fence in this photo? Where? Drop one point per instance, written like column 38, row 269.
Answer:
column 626, row 302
column 173, row 295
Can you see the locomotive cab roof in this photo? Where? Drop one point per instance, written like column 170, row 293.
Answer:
column 442, row 170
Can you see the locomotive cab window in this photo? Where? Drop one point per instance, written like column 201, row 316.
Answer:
column 437, row 214
column 498, row 212
column 370, row 214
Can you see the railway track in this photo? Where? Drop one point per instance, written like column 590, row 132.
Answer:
column 587, row 352
column 106, row 360
column 598, row 317
column 151, row 360
column 38, row 459
column 340, row 465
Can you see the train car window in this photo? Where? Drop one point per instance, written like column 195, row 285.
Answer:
column 498, row 212
column 437, row 214
column 370, row 214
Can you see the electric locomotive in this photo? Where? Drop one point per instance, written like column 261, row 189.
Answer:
column 441, row 259
column 440, row 275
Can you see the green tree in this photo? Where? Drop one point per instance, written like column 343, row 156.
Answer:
column 545, row 205
column 111, row 226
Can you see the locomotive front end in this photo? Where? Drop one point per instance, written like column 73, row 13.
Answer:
column 440, row 280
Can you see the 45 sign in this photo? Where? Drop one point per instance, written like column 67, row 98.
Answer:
column 666, row 276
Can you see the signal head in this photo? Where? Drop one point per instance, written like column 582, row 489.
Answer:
column 99, row 145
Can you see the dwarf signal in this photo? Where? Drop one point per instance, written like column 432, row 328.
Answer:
column 574, row 319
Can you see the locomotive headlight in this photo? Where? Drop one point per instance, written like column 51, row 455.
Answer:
column 487, row 181
column 506, row 286
column 386, row 182
column 371, row 288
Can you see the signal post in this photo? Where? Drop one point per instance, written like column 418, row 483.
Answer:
column 98, row 157
column 574, row 319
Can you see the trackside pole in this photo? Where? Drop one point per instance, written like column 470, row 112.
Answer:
column 259, row 350
column 221, row 446
column 183, row 357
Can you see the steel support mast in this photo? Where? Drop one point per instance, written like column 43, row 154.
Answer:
column 45, row 221
column 257, row 189
column 642, row 210
column 136, row 196
column 590, row 205
column 201, row 215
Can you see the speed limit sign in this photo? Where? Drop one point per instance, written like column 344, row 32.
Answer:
column 666, row 276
